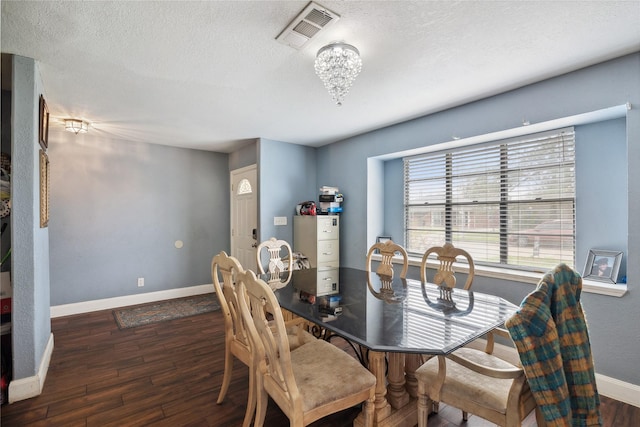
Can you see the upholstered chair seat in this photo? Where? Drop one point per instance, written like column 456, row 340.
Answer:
column 297, row 333
column 477, row 381
column 466, row 384
column 320, row 390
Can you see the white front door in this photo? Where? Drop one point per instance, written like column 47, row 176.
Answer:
column 244, row 216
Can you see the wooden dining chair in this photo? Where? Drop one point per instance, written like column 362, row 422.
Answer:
column 315, row 380
column 388, row 250
column 224, row 272
column 276, row 265
column 280, row 259
column 224, row 269
column 445, row 274
column 488, row 384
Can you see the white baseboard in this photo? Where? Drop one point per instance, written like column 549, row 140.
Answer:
column 107, row 303
column 618, row 390
column 25, row 388
column 607, row 386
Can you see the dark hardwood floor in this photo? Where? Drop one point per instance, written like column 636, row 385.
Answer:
column 169, row 374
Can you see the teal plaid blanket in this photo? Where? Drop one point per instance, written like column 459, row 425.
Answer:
column 550, row 333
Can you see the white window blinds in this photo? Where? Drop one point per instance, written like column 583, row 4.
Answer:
column 508, row 202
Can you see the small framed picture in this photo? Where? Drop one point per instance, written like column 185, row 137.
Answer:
column 44, row 189
column 602, row 265
column 43, row 130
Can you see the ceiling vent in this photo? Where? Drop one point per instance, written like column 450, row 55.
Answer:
column 306, row 25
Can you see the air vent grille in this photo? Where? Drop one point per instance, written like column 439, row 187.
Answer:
column 306, row 25
column 319, row 17
column 306, row 29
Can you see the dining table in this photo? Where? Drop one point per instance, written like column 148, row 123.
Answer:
column 392, row 324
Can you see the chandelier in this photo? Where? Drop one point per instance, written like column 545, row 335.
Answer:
column 337, row 65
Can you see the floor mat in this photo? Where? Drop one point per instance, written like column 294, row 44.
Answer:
column 160, row 311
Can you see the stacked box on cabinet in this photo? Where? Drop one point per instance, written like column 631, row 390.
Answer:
column 330, row 201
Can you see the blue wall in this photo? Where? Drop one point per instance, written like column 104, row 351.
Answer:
column 286, row 176
column 602, row 189
column 30, row 251
column 394, row 200
column 600, row 87
column 118, row 208
column 244, row 156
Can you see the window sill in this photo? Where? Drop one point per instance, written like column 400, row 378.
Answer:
column 588, row 286
column 532, row 278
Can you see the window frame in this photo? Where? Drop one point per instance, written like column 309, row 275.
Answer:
column 503, row 199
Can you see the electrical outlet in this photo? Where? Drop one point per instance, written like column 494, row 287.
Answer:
column 279, row 220
column 140, row 282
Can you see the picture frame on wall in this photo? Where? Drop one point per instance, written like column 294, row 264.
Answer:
column 602, row 265
column 43, row 130
column 44, row 189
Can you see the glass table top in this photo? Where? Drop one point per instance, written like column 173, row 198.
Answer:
column 398, row 315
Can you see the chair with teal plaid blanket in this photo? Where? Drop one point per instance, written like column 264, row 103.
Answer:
column 551, row 335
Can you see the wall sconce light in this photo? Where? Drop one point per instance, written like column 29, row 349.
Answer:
column 76, row 126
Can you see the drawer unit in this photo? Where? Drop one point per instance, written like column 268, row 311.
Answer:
column 328, row 227
column 329, row 253
column 318, row 238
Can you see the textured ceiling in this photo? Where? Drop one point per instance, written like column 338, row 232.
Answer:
column 210, row 74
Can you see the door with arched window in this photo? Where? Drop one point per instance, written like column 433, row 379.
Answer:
column 244, row 215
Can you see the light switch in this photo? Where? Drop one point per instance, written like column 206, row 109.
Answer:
column 279, row 220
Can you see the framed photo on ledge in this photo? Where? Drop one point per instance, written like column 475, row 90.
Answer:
column 602, row 265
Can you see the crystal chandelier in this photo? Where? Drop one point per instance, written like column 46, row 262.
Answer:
column 337, row 65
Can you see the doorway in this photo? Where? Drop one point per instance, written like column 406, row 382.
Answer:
column 244, row 215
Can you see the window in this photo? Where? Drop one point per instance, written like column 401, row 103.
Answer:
column 244, row 187
column 508, row 203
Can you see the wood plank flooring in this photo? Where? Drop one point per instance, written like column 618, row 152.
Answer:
column 169, row 374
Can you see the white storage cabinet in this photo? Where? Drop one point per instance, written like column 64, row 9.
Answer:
column 318, row 238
